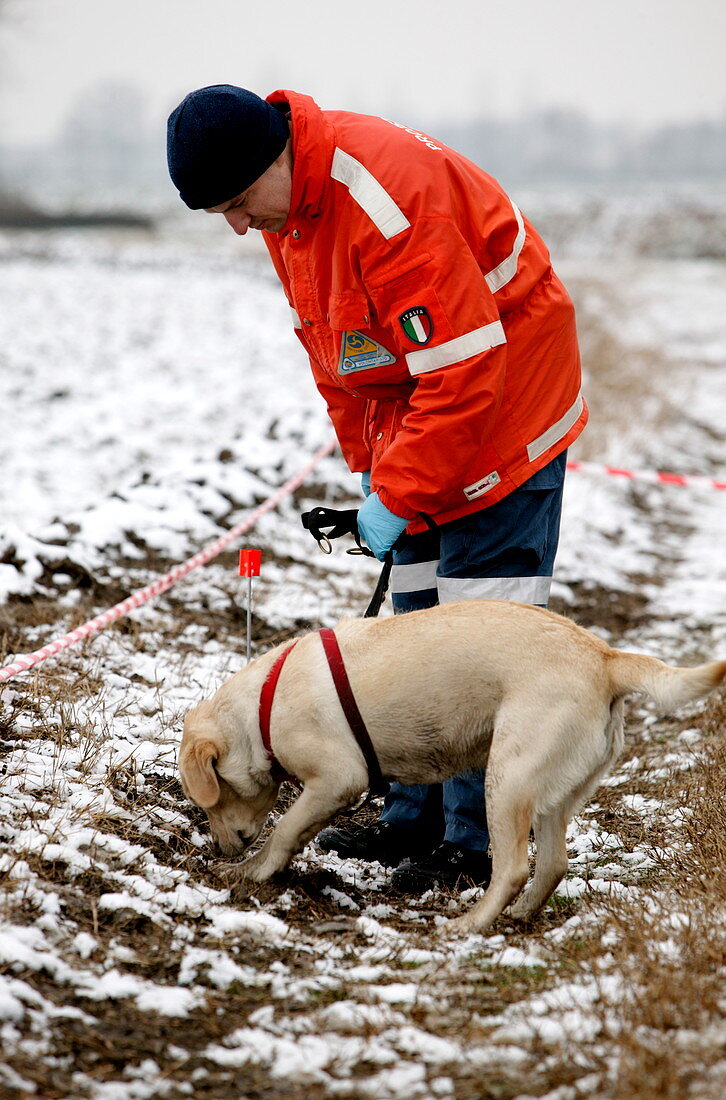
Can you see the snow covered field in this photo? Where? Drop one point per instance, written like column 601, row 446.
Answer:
column 152, row 393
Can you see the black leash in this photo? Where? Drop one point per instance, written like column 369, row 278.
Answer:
column 325, row 524
column 381, row 588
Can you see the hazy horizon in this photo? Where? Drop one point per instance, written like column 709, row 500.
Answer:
column 638, row 63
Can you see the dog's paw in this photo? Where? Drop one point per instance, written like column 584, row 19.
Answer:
column 254, row 874
column 257, row 868
column 229, row 870
column 238, row 879
column 240, row 889
column 522, row 910
column 244, row 870
column 456, row 926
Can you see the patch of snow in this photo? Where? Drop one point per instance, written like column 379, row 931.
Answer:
column 257, row 922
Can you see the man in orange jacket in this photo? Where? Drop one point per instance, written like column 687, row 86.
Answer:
column 446, row 350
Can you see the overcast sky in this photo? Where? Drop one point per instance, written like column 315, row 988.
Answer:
column 426, row 61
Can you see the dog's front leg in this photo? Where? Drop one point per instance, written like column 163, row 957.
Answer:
column 319, row 800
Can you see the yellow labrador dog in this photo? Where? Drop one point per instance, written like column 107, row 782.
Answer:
column 526, row 693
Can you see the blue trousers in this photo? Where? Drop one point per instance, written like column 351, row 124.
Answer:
column 505, row 552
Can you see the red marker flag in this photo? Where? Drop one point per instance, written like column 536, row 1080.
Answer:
column 249, row 563
column 249, row 566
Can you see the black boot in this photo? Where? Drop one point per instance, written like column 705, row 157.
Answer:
column 447, row 865
column 381, row 842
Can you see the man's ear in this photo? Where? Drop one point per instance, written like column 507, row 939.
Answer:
column 196, row 763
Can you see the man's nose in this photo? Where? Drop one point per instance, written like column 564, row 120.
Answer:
column 238, row 220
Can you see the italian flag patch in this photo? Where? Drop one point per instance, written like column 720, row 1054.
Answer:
column 417, row 325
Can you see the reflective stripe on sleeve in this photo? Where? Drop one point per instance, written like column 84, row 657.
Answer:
column 522, row 589
column 370, row 195
column 417, row 577
column 507, row 269
column 457, row 350
column 556, row 432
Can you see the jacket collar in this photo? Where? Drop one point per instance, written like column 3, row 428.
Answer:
column 312, row 150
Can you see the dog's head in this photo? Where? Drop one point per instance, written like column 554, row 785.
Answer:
column 218, row 774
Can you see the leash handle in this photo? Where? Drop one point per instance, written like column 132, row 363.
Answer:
column 325, row 524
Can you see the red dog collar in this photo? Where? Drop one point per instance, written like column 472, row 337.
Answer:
column 267, row 695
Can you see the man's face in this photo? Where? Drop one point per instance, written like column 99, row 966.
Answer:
column 265, row 204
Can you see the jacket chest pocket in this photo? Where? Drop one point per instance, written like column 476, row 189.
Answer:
column 356, row 348
column 345, row 318
column 348, row 317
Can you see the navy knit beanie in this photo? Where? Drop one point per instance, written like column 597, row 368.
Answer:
column 221, row 139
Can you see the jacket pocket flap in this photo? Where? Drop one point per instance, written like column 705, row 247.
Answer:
column 349, row 310
column 385, row 274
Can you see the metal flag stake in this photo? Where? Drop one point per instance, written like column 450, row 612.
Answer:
column 249, row 566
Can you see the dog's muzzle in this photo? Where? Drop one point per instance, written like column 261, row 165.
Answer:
column 246, row 841
column 237, row 847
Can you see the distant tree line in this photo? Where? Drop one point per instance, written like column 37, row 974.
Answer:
column 559, row 145
column 108, row 153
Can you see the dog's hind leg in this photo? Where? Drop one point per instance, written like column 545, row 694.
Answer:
column 509, row 809
column 321, row 797
column 550, row 835
column 550, row 827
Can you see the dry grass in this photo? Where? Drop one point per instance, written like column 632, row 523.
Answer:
column 663, row 1027
column 696, row 867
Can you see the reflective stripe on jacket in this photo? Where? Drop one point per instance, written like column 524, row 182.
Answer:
column 438, row 333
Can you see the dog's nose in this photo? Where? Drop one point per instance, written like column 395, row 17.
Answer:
column 244, row 839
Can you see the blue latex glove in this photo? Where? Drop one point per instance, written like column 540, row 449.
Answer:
column 365, row 483
column 379, row 527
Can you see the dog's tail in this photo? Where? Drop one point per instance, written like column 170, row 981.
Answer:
column 670, row 687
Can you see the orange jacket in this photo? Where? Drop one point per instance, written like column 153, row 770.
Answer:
column 438, row 334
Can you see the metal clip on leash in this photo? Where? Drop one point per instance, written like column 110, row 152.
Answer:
column 344, row 521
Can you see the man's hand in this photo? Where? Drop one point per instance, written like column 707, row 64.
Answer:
column 379, row 527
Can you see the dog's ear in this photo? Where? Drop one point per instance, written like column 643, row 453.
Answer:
column 197, row 760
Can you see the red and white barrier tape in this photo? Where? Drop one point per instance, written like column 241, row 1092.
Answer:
column 143, row 595
column 649, row 475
